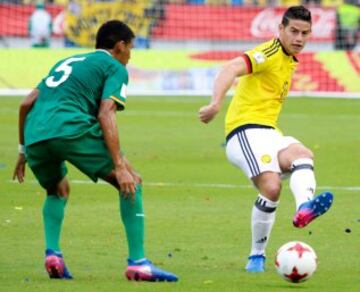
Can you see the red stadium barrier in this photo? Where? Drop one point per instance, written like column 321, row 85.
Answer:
column 197, row 22
column 14, row 18
column 194, row 22
column 310, row 74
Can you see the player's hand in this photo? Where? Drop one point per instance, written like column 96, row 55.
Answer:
column 19, row 172
column 208, row 112
column 136, row 176
column 125, row 181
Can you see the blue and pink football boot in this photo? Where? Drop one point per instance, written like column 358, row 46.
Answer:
column 55, row 265
column 144, row 270
column 312, row 209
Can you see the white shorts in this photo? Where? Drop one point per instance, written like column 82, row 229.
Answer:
column 255, row 150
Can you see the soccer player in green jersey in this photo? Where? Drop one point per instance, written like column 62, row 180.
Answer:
column 71, row 116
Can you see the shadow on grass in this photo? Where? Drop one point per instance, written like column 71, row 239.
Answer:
column 285, row 286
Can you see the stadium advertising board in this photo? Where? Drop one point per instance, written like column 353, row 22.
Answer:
column 171, row 72
column 264, row 25
column 181, row 22
column 184, row 22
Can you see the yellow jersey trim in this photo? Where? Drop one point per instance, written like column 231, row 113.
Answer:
column 117, row 100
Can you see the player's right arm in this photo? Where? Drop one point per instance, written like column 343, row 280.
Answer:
column 25, row 107
column 223, row 81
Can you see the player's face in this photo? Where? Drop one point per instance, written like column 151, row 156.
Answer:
column 295, row 35
column 124, row 52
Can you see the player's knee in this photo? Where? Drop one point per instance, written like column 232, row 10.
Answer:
column 292, row 153
column 63, row 188
column 300, row 151
column 308, row 153
column 271, row 191
column 269, row 185
column 64, row 192
column 111, row 179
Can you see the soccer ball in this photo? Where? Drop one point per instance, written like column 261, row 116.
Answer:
column 296, row 261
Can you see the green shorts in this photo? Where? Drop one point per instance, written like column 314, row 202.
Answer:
column 87, row 152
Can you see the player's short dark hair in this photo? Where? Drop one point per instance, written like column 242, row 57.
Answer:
column 296, row 12
column 111, row 32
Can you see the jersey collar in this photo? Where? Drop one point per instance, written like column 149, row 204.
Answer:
column 102, row 50
column 286, row 53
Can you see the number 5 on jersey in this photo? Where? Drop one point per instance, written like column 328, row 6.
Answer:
column 64, row 67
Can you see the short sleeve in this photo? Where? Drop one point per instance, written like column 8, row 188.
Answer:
column 261, row 57
column 115, row 86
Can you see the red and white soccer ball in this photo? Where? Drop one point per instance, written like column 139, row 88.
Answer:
column 296, row 261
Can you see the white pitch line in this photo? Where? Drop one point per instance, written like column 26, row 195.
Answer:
column 204, row 185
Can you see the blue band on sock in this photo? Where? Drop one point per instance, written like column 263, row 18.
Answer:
column 302, row 166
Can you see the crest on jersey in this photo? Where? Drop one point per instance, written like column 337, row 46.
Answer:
column 123, row 91
column 266, row 158
column 259, row 57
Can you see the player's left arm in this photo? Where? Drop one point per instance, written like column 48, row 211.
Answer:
column 25, row 107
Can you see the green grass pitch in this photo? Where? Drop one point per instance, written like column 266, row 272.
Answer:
column 197, row 205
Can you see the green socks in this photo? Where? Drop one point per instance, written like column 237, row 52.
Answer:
column 53, row 215
column 132, row 216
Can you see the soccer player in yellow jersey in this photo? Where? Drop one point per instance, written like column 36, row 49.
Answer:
column 254, row 143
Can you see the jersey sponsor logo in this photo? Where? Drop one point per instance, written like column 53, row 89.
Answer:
column 259, row 57
column 123, row 91
column 266, row 158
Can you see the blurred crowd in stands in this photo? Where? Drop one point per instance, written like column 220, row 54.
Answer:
column 346, row 32
column 262, row 3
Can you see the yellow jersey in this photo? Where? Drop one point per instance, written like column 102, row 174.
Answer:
column 260, row 94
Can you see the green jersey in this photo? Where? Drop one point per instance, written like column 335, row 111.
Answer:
column 69, row 97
